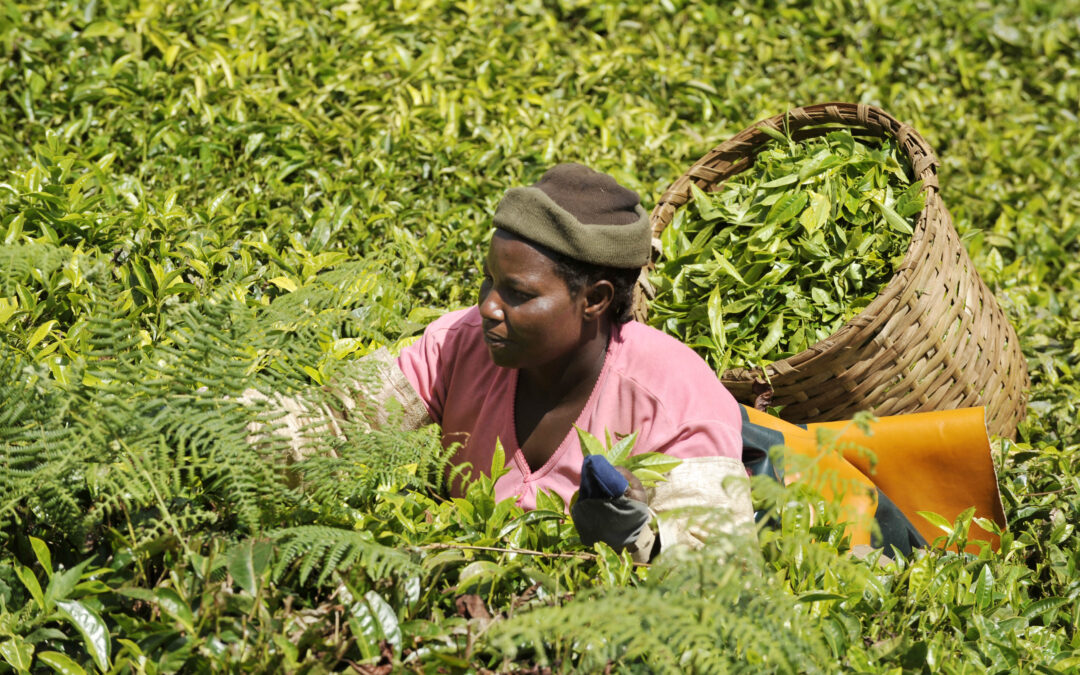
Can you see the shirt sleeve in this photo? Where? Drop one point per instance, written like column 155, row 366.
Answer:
column 374, row 391
column 427, row 362
column 701, row 498
column 708, row 494
column 703, row 438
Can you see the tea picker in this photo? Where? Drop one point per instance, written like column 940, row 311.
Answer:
column 550, row 349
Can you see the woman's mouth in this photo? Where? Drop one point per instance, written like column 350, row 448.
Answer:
column 492, row 340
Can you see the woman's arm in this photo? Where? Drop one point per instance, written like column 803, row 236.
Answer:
column 374, row 392
column 703, row 497
column 368, row 393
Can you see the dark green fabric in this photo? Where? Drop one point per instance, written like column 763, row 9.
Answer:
column 582, row 214
column 590, row 196
column 756, row 443
column 896, row 530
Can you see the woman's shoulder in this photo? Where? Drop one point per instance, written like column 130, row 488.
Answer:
column 668, row 369
column 452, row 336
column 650, row 350
column 455, row 326
column 455, row 320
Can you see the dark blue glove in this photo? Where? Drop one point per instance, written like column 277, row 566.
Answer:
column 600, row 480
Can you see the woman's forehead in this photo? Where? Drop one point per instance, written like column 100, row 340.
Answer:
column 518, row 256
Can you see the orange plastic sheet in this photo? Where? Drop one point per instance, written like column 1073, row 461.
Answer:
column 935, row 461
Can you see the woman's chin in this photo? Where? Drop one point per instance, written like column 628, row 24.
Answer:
column 501, row 355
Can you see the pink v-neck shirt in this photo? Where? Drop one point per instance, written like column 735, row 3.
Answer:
column 650, row 383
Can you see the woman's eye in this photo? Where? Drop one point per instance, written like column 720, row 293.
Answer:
column 519, row 296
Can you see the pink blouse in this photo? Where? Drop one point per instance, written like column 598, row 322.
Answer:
column 650, row 383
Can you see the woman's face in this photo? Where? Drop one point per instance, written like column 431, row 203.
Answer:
column 530, row 316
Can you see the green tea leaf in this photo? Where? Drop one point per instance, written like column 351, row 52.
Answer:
column 62, row 584
column 386, row 618
column 26, row 576
column 39, row 334
column 94, row 633
column 911, row 201
column 818, row 164
column 499, row 465
column 772, row 133
column 374, row 621
column 1041, row 606
column 655, row 462
column 61, row 663
column 727, row 268
column 817, row 214
column 41, row 549
column 530, row 518
column 937, row 521
column 590, row 445
column 772, row 337
column 247, row 563
column 893, row 218
column 18, row 653
column 786, row 208
column 984, row 587
column 780, row 182
column 705, row 206
column 620, row 451
column 476, row 572
column 716, row 318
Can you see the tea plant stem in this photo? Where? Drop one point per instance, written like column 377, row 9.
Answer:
column 523, row 551
column 1051, row 492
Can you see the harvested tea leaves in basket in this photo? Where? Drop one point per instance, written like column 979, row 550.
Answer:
column 787, row 251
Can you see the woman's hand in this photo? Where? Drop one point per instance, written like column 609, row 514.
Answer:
column 635, row 490
column 611, row 508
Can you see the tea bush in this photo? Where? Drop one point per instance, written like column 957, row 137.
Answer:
column 203, row 197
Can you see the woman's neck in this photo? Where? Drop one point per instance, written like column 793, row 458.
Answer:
column 578, row 371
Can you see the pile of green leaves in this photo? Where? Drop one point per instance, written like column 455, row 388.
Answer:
column 207, row 196
column 787, row 251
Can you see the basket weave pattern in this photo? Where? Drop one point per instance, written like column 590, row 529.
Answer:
column 933, row 339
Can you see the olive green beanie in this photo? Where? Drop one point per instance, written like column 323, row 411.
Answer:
column 581, row 213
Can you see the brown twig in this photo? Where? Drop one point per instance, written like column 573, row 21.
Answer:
column 523, row 551
column 1051, row 492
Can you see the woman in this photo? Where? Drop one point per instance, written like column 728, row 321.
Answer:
column 550, row 346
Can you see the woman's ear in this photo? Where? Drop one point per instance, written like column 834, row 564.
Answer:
column 598, row 298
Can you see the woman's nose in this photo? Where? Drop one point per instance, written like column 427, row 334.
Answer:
column 490, row 305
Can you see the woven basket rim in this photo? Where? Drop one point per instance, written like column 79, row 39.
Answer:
column 835, row 342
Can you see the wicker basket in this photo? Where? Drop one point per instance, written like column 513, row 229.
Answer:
column 934, row 338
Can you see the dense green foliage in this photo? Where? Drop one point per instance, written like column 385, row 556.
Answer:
column 787, row 252
column 204, row 197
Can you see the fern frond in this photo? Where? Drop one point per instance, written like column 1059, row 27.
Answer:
column 149, row 440
column 370, row 461
column 328, row 549
column 36, row 460
column 711, row 611
column 18, row 262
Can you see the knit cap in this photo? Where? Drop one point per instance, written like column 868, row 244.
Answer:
column 581, row 213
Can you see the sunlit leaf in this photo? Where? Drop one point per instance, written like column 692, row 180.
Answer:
column 89, row 624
